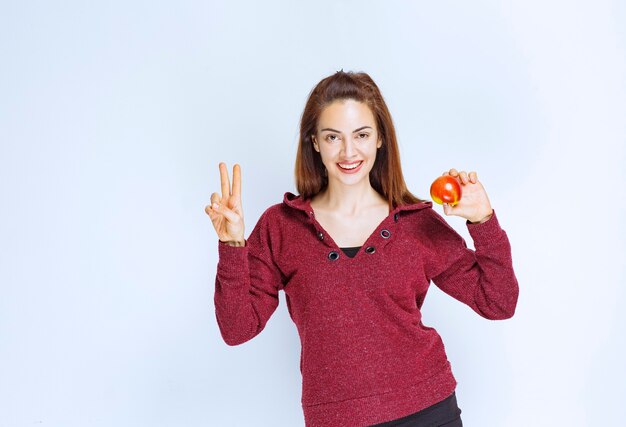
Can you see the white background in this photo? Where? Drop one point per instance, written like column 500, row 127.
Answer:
column 114, row 117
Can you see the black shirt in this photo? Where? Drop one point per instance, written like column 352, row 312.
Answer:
column 351, row 252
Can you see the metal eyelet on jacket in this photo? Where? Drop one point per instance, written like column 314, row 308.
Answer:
column 385, row 233
column 333, row 256
column 395, row 217
column 370, row 249
column 320, row 235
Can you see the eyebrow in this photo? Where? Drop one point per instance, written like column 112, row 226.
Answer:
column 356, row 130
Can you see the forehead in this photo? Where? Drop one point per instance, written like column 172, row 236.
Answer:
column 346, row 113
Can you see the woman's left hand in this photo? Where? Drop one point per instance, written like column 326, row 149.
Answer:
column 474, row 204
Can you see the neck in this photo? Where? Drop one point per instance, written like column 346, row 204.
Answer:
column 349, row 200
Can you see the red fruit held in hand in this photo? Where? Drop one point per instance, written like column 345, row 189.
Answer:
column 446, row 189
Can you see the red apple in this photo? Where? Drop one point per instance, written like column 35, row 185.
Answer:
column 446, row 189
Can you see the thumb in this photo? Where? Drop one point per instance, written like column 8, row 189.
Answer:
column 448, row 209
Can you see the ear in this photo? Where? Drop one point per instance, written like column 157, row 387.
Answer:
column 315, row 143
column 379, row 143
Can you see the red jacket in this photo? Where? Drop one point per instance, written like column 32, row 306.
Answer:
column 366, row 357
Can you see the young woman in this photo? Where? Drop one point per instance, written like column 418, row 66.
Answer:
column 355, row 253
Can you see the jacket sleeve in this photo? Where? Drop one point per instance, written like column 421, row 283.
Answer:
column 246, row 286
column 483, row 279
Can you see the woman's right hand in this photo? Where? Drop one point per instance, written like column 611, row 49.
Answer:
column 226, row 211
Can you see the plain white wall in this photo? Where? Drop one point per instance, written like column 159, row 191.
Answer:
column 114, row 117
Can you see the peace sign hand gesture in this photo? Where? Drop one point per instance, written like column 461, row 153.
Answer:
column 226, row 212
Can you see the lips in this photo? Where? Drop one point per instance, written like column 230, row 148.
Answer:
column 350, row 167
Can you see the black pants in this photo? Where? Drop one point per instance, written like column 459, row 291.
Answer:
column 442, row 414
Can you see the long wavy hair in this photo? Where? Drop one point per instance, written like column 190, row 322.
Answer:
column 386, row 174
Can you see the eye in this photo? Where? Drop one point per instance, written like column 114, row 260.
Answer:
column 328, row 137
column 364, row 135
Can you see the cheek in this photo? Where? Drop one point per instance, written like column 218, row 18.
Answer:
column 373, row 151
column 327, row 153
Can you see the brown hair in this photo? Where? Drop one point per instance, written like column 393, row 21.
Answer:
column 386, row 174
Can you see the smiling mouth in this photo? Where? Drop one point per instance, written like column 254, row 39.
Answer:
column 349, row 166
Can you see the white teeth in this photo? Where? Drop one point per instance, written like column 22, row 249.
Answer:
column 352, row 166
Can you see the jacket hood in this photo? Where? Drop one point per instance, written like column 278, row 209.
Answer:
column 297, row 202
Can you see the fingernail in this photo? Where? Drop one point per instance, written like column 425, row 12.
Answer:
column 215, row 206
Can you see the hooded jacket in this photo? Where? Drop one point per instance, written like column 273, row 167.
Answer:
column 366, row 357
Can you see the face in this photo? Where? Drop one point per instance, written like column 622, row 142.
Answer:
column 347, row 140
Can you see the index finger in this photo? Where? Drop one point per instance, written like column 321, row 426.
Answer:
column 225, row 180
column 236, row 180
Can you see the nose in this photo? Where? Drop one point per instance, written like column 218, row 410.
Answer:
column 348, row 147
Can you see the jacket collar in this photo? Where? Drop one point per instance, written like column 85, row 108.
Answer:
column 297, row 202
